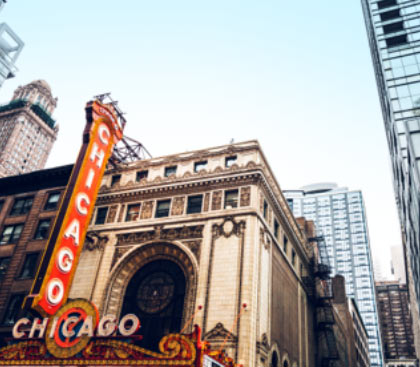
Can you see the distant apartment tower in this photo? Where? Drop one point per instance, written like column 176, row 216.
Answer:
column 10, row 47
column 27, row 130
column 339, row 216
column 393, row 29
column 396, row 324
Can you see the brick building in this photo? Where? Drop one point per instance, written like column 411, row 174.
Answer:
column 353, row 336
column 28, row 205
column 396, row 324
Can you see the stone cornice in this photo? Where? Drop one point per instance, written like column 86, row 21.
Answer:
column 189, row 156
column 133, row 191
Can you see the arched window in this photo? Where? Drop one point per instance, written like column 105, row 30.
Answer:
column 286, row 363
column 156, row 295
column 274, row 359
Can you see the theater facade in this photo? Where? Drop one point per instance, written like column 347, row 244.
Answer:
column 201, row 247
column 202, row 238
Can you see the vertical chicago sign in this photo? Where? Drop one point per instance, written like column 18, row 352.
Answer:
column 55, row 273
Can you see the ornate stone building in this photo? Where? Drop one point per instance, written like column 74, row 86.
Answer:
column 27, row 130
column 207, row 238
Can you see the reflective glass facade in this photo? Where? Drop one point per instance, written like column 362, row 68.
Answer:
column 393, row 28
column 339, row 216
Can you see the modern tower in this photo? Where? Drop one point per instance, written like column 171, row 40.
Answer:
column 340, row 220
column 27, row 130
column 10, row 47
column 393, row 28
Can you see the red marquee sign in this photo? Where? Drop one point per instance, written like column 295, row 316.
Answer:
column 56, row 271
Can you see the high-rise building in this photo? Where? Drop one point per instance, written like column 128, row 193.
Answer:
column 340, row 219
column 27, row 130
column 395, row 321
column 397, row 264
column 393, row 28
column 10, row 48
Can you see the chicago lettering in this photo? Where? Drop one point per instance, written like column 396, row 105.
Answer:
column 107, row 326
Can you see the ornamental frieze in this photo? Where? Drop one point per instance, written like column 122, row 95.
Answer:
column 177, row 189
column 160, row 233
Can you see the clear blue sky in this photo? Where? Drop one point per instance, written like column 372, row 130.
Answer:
column 297, row 76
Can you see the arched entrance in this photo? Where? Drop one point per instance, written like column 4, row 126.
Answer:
column 156, row 294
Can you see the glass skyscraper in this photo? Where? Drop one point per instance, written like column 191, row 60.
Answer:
column 340, row 220
column 393, row 28
column 10, row 48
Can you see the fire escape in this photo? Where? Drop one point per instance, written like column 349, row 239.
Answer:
column 322, row 295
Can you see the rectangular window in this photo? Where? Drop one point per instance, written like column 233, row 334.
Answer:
column 4, row 264
column 231, row 199
column 388, row 15
column 386, row 3
column 101, row 215
column 198, row 166
column 41, row 232
column 194, row 204
column 52, row 201
column 162, row 209
column 169, row 171
column 29, row 266
column 293, row 257
column 265, row 209
column 115, row 180
column 13, row 308
column 396, row 41
column 393, row 27
column 229, row 161
column 11, row 233
column 133, row 212
column 22, row 206
column 276, row 229
column 140, row 175
column 285, row 242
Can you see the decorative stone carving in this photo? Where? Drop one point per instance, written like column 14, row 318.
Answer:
column 129, row 184
column 245, row 199
column 118, row 253
column 178, row 205
column 251, row 164
column 228, row 227
column 120, row 217
column 95, row 241
column 112, row 213
column 219, row 334
column 194, row 246
column 263, row 347
column 206, row 202
column 147, row 211
column 265, row 238
column 160, row 233
column 216, row 203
